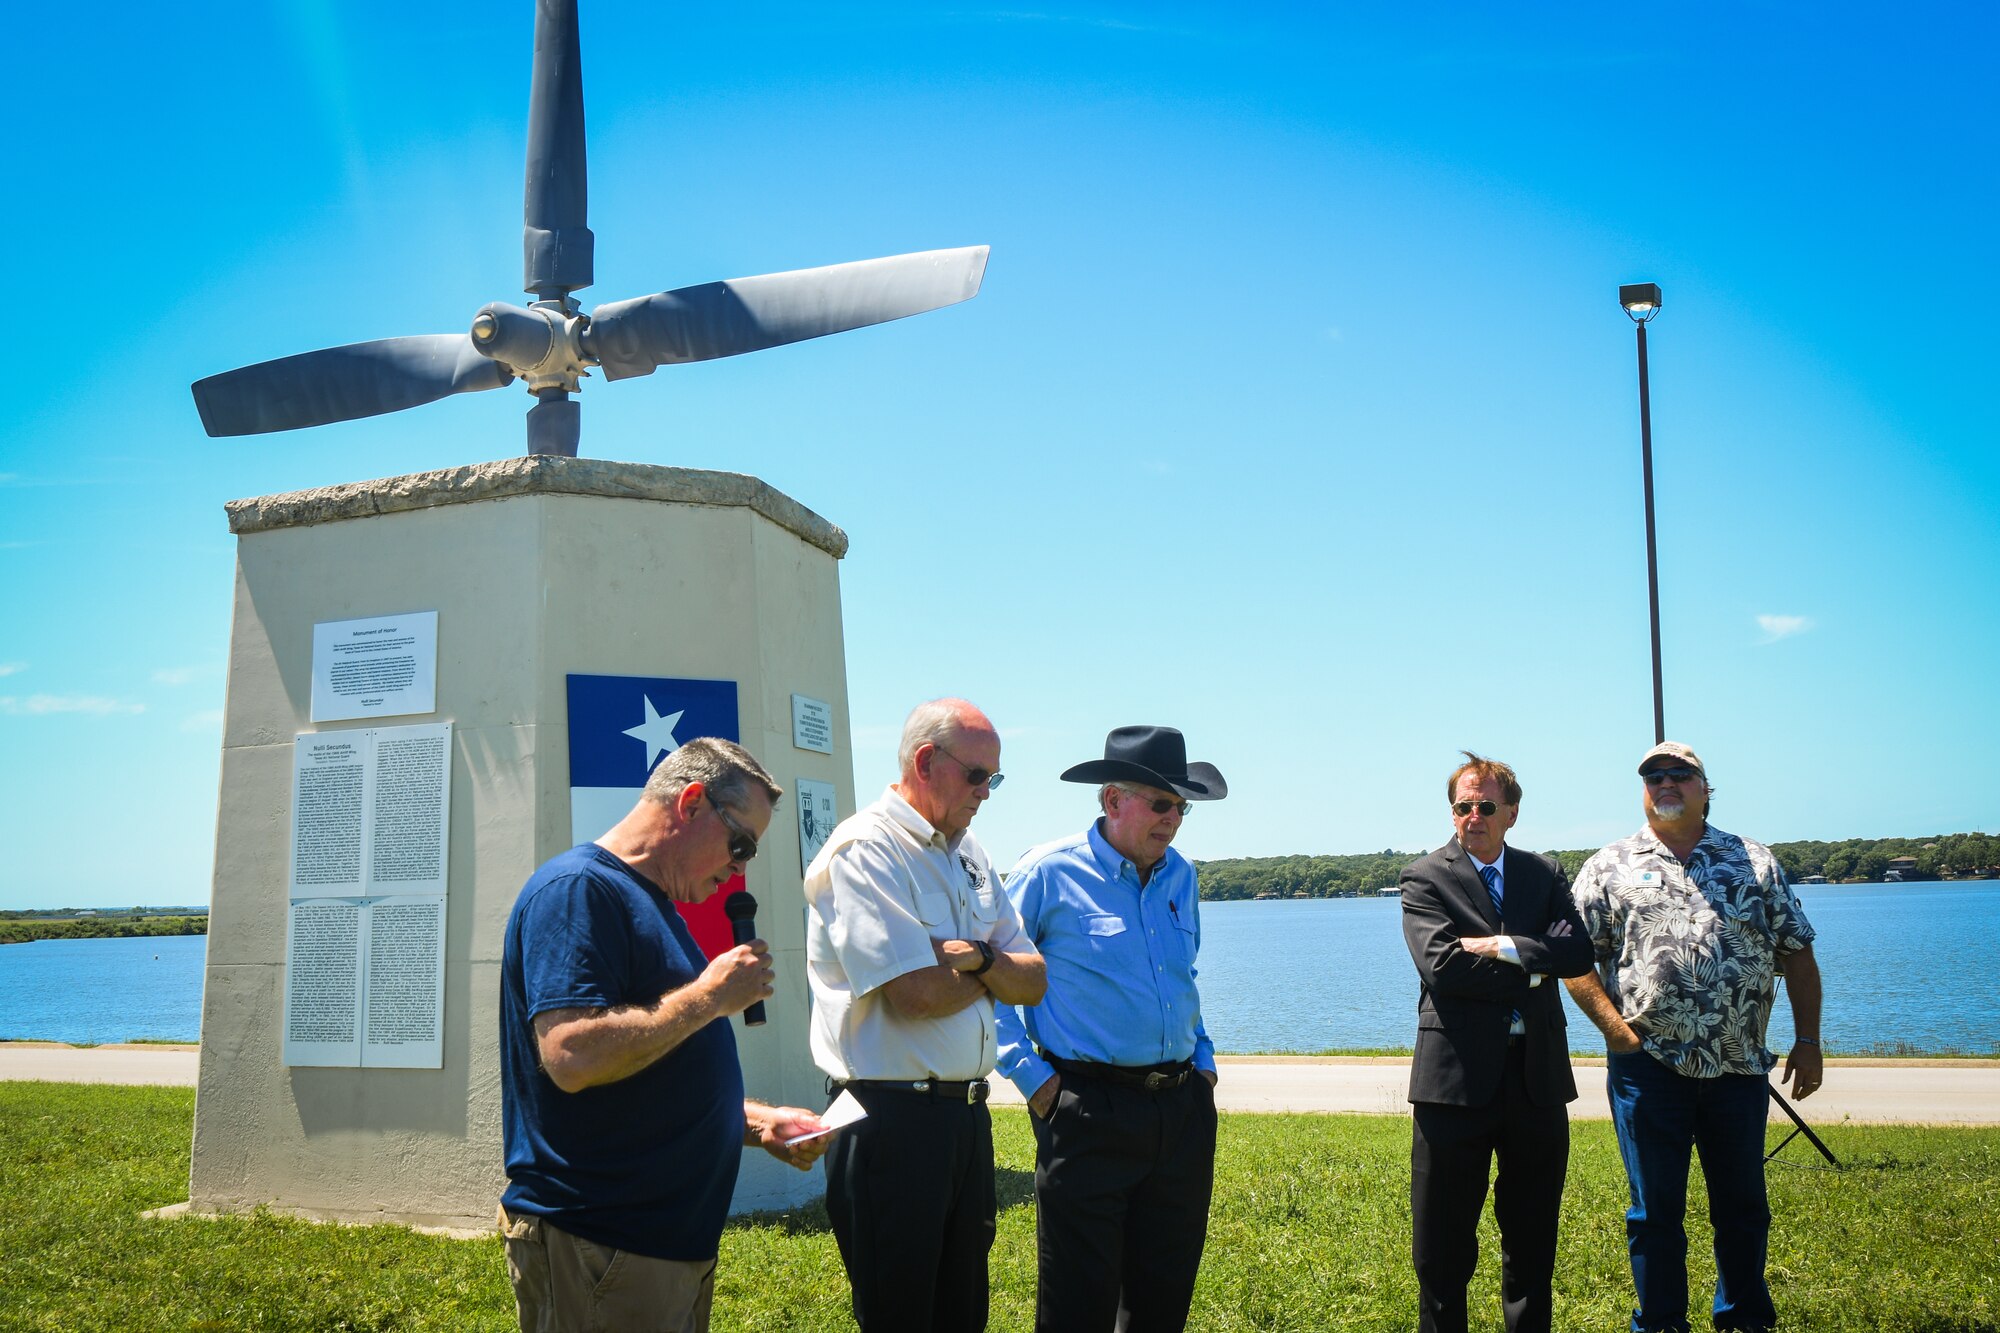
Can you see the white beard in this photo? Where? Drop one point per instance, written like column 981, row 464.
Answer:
column 1669, row 810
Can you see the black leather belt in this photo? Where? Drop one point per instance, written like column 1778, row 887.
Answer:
column 969, row 1091
column 1151, row 1078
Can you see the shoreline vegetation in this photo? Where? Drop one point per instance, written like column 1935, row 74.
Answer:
column 86, row 924
column 1942, row 856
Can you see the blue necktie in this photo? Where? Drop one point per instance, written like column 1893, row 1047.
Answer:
column 1491, row 876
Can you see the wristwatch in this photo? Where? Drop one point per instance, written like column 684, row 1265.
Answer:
column 985, row 958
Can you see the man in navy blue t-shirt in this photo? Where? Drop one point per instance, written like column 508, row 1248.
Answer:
column 622, row 1101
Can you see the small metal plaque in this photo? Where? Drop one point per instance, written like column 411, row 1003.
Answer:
column 812, row 724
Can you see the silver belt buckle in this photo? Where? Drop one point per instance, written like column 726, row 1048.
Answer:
column 921, row 1085
column 975, row 1091
column 1156, row 1080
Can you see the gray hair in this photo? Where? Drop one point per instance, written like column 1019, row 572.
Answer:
column 1104, row 795
column 726, row 769
column 931, row 723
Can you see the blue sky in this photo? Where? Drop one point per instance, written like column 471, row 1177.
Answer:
column 1297, row 410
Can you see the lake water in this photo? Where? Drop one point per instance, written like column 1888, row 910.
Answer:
column 102, row 990
column 1903, row 963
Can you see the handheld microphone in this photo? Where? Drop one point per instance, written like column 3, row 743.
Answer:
column 741, row 909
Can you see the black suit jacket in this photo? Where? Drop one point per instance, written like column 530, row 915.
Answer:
column 1467, row 1002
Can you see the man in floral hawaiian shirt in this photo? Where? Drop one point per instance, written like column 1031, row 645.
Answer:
column 1691, row 925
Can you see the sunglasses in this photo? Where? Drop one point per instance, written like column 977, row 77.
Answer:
column 1161, row 804
column 742, row 842
column 1464, row 808
column 975, row 777
column 1663, row 775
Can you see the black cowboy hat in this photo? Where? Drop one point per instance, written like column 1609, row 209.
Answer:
column 1156, row 756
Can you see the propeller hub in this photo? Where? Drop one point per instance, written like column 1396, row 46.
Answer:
column 542, row 344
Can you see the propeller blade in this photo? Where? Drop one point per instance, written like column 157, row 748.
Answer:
column 749, row 314
column 556, row 244
column 343, row 383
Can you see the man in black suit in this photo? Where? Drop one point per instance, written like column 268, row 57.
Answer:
column 1486, row 927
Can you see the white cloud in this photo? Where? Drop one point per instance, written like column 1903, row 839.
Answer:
column 175, row 675
column 207, row 720
column 41, row 705
column 11, row 668
column 1782, row 627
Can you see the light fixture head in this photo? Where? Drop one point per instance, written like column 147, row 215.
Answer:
column 1640, row 299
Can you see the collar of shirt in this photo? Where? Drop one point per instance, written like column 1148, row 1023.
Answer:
column 1497, row 865
column 1109, row 859
column 1646, row 840
column 899, row 809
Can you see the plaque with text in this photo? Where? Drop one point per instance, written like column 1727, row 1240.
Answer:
column 364, row 932
column 816, row 818
column 812, row 724
column 384, row 666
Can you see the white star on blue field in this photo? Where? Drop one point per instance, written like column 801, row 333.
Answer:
column 657, row 732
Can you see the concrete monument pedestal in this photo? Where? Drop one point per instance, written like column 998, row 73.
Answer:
column 537, row 568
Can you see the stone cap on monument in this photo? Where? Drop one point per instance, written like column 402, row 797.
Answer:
column 535, row 474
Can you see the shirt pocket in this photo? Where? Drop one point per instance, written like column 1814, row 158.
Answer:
column 1102, row 929
column 934, row 909
column 984, row 906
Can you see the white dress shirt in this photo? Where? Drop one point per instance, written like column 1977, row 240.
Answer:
column 882, row 889
column 1509, row 951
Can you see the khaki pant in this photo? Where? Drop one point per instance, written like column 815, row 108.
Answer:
column 566, row 1284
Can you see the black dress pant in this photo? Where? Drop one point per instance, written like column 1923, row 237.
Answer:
column 910, row 1193
column 1451, row 1149
column 1122, row 1184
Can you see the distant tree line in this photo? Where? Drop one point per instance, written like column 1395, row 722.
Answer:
column 1867, row 859
column 1315, row 876
column 19, row 930
column 1368, row 873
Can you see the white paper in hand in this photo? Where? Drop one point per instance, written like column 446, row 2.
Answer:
column 844, row 1111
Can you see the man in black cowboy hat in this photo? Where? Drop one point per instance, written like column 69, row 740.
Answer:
column 1118, row 1072
column 1487, row 926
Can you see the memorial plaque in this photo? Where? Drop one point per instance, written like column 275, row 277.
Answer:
column 812, row 724
column 384, row 666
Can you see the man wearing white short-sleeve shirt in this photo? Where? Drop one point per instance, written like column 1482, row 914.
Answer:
column 909, row 941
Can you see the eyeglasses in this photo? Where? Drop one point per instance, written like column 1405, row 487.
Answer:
column 1464, row 808
column 1160, row 804
column 974, row 777
column 742, row 842
column 1664, row 775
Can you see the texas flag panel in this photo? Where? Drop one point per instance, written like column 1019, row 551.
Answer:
column 619, row 727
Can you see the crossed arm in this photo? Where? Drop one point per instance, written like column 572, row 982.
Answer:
column 947, row 986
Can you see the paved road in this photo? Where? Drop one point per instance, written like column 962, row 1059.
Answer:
column 1945, row 1092
column 172, row 1065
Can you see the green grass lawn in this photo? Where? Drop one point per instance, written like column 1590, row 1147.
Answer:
column 1311, row 1230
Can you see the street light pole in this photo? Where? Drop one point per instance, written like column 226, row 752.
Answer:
column 1642, row 301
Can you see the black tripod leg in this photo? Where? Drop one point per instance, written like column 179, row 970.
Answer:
column 1802, row 1128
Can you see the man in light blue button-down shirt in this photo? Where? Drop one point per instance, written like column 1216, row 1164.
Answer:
column 1118, row 1072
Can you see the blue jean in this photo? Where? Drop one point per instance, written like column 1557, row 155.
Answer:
column 1660, row 1115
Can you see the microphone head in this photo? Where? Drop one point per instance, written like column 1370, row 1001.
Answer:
column 739, row 906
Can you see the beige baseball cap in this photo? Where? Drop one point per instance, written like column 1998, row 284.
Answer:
column 1676, row 751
